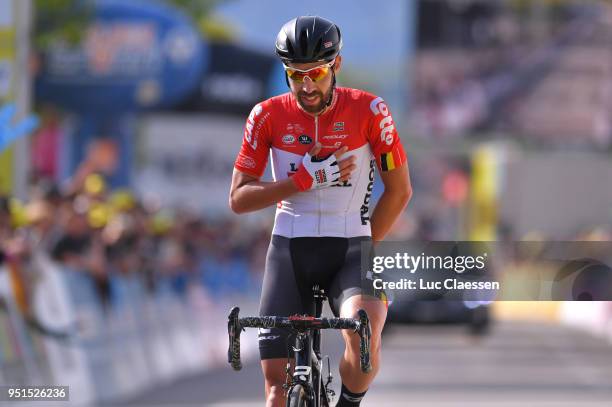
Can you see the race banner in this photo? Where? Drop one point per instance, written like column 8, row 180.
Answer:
column 187, row 161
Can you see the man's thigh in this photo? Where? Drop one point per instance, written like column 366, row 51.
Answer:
column 281, row 297
column 349, row 285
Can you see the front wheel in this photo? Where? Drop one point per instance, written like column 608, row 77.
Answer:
column 298, row 397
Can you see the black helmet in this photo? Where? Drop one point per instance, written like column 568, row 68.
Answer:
column 308, row 39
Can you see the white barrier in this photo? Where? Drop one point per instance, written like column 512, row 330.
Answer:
column 139, row 342
column 54, row 309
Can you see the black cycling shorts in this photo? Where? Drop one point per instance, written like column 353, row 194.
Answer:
column 293, row 266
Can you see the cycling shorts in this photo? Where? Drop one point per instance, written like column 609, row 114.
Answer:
column 293, row 266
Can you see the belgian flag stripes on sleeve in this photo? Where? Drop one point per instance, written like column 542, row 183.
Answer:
column 393, row 159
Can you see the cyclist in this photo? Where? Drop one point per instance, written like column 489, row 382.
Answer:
column 325, row 142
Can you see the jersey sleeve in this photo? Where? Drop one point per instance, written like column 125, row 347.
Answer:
column 253, row 156
column 383, row 138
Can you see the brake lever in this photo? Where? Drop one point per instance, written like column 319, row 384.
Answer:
column 234, row 330
column 365, row 334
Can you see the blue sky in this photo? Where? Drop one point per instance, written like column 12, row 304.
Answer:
column 377, row 34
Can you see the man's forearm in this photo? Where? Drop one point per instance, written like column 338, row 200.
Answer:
column 257, row 195
column 386, row 212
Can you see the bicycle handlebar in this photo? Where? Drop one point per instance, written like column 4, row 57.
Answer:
column 236, row 325
column 288, row 322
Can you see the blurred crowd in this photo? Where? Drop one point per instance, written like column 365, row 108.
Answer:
column 88, row 228
column 544, row 78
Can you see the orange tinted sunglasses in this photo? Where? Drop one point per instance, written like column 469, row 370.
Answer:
column 315, row 74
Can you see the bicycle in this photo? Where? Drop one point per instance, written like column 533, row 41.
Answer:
column 305, row 387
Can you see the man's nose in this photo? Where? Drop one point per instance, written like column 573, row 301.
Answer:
column 308, row 85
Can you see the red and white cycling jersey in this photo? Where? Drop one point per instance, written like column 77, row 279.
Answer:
column 280, row 128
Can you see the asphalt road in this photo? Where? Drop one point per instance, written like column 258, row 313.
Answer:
column 517, row 364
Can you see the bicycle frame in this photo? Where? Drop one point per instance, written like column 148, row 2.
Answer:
column 307, row 349
column 307, row 354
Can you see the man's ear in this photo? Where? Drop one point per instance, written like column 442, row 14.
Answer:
column 338, row 64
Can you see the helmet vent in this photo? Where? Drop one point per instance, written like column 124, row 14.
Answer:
column 304, row 42
column 290, row 50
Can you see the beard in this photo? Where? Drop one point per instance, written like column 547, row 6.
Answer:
column 319, row 107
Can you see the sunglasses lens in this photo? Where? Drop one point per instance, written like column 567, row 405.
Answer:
column 296, row 75
column 314, row 74
column 318, row 73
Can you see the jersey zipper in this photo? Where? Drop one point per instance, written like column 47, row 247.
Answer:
column 316, row 120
